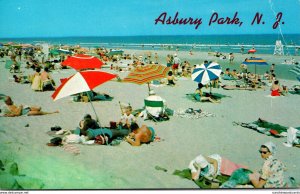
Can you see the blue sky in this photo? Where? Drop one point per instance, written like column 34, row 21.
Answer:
column 59, row 18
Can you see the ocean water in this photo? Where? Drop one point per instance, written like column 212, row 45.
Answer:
column 223, row 43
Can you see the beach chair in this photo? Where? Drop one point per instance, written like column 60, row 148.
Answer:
column 156, row 104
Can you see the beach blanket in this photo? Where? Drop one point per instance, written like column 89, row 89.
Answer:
column 192, row 114
column 238, row 88
column 191, row 96
column 202, row 182
column 266, row 128
column 228, row 167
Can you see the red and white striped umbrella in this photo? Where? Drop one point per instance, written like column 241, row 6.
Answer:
column 81, row 82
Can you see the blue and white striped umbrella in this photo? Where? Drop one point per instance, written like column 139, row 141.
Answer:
column 206, row 72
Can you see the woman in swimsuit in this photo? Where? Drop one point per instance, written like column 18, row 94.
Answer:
column 276, row 89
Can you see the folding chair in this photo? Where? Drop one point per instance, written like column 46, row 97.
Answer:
column 154, row 104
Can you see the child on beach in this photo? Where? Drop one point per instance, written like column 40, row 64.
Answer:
column 127, row 118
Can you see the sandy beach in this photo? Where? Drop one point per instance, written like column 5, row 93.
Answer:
column 182, row 139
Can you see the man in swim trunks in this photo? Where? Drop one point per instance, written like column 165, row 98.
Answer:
column 11, row 110
column 140, row 135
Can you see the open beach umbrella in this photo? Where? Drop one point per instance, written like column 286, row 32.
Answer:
column 82, row 81
column 255, row 61
column 252, row 51
column 145, row 74
column 81, row 61
column 204, row 73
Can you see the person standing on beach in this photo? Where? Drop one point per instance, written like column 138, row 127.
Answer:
column 242, row 50
column 176, row 63
column 272, row 68
column 231, row 58
column 155, row 58
column 169, row 60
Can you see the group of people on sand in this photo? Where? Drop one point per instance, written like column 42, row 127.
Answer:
column 126, row 128
column 271, row 175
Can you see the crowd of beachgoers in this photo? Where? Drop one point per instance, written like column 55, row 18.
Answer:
column 31, row 65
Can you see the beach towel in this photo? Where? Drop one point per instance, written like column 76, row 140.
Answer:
column 202, row 182
column 228, row 167
column 238, row 88
column 265, row 127
column 192, row 113
column 195, row 98
column 71, row 148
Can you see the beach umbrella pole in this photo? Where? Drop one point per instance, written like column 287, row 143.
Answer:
column 97, row 118
column 148, row 86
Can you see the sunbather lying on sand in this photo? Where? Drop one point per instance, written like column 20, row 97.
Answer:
column 212, row 166
column 11, row 110
column 140, row 135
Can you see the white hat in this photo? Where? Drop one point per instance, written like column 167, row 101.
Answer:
column 175, row 55
column 271, row 146
column 201, row 161
column 151, row 92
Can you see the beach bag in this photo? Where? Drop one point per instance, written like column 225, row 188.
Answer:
column 99, row 139
column 56, row 141
column 113, row 125
column 77, row 98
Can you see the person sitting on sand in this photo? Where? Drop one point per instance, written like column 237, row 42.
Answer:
column 11, row 110
column 171, row 79
column 21, row 79
column 126, row 119
column 227, row 75
column 86, row 123
column 152, row 110
column 199, row 95
column 139, row 135
column 272, row 173
column 276, row 90
column 47, row 80
column 212, row 166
